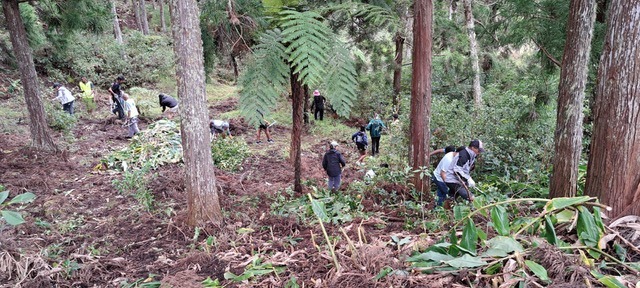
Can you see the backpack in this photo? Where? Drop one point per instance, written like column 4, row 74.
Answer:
column 360, row 138
column 375, row 128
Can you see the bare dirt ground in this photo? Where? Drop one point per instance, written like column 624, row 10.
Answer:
column 80, row 232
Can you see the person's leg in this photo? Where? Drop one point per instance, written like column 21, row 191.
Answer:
column 377, row 145
column 258, row 135
column 441, row 191
column 266, row 132
column 71, row 107
column 315, row 114
column 321, row 114
column 330, row 183
column 136, row 130
column 337, row 182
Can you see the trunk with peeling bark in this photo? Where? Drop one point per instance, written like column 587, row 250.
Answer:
column 135, row 5
column 614, row 163
column 397, row 70
column 40, row 133
column 473, row 51
column 297, row 97
column 143, row 18
column 163, row 22
column 203, row 206
column 117, row 33
column 573, row 79
column 421, row 91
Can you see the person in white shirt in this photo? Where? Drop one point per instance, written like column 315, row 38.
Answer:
column 132, row 115
column 439, row 174
column 64, row 96
column 219, row 127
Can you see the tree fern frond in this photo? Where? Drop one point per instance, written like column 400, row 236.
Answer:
column 341, row 82
column 373, row 14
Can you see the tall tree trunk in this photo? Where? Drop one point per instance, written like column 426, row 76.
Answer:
column 136, row 12
column 144, row 19
column 203, row 206
column 117, row 33
column 163, row 22
column 475, row 65
column 40, row 137
column 297, row 96
column 397, row 70
column 421, row 90
column 452, row 8
column 234, row 65
column 573, row 79
column 305, row 108
column 614, row 163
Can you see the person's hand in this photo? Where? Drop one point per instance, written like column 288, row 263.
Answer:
column 471, row 183
column 471, row 198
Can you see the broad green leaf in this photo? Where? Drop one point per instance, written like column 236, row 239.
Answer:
column 460, row 212
column 320, row 210
column 491, row 252
column 22, row 198
column 537, row 269
column 466, row 261
column 609, row 281
column 598, row 218
column 383, row 273
column 461, row 249
column 3, row 196
column 12, row 217
column 453, row 238
column 245, row 231
column 562, row 202
column 469, row 236
column 565, row 216
column 550, row 231
column 506, row 244
column 493, row 269
column 587, row 229
column 481, row 234
column 620, row 251
column 500, row 220
column 430, row 256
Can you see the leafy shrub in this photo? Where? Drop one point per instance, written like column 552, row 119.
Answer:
column 135, row 182
column 228, row 154
column 12, row 217
column 58, row 119
column 146, row 101
column 336, row 207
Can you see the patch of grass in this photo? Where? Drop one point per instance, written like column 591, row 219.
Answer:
column 233, row 114
column 146, row 101
column 228, row 154
column 220, row 92
column 333, row 129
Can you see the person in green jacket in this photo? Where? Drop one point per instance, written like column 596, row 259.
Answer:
column 375, row 127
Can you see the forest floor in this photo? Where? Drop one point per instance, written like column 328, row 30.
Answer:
column 81, row 232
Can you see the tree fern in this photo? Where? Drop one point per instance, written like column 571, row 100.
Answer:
column 341, row 82
column 265, row 79
column 373, row 14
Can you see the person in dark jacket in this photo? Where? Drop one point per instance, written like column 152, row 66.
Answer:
column 360, row 138
column 116, row 97
column 318, row 103
column 333, row 162
column 167, row 101
column 458, row 174
column 375, row 127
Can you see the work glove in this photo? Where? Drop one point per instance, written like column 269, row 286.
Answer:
column 471, row 183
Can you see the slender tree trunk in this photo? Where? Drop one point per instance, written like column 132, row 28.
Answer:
column 614, row 160
column 203, row 206
column 297, row 95
column 234, row 65
column 421, row 90
column 144, row 19
column 305, row 109
column 163, row 22
column 573, row 79
column 117, row 33
column 475, row 65
column 397, row 70
column 136, row 12
column 40, row 136
column 452, row 8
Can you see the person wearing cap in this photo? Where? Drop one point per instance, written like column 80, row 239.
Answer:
column 167, row 101
column 458, row 177
column 375, row 127
column 318, row 103
column 218, row 127
column 132, row 115
column 88, row 94
column 64, row 96
column 439, row 174
column 117, row 97
column 332, row 163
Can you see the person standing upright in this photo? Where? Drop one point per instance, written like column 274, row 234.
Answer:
column 458, row 177
column 332, row 163
column 117, row 97
column 375, row 127
column 318, row 104
column 88, row 94
column 64, row 96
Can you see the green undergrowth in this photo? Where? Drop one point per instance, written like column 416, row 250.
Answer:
column 336, row 208
column 229, row 153
column 220, row 92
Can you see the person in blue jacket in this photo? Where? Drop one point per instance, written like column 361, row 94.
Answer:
column 332, row 163
column 360, row 138
column 375, row 127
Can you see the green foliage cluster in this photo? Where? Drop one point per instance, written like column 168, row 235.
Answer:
column 337, row 207
column 58, row 119
column 13, row 217
column 135, row 182
column 146, row 102
column 229, row 153
column 254, row 270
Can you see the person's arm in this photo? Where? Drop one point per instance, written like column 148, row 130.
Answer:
column 353, row 137
column 364, row 137
column 368, row 128
column 382, row 124
column 463, row 158
column 342, row 161
column 443, row 175
column 324, row 162
column 434, row 152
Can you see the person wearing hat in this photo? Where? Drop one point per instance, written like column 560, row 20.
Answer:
column 64, row 96
column 457, row 176
column 318, row 103
column 332, row 163
column 218, row 127
column 116, row 97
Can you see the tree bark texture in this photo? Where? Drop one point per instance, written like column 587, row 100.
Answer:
column 421, row 90
column 473, row 51
column 40, row 133
column 297, row 97
column 136, row 12
column 163, row 22
column 117, row 33
column 305, row 105
column 397, row 70
column 143, row 17
column 573, row 79
column 614, row 160
column 203, row 206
